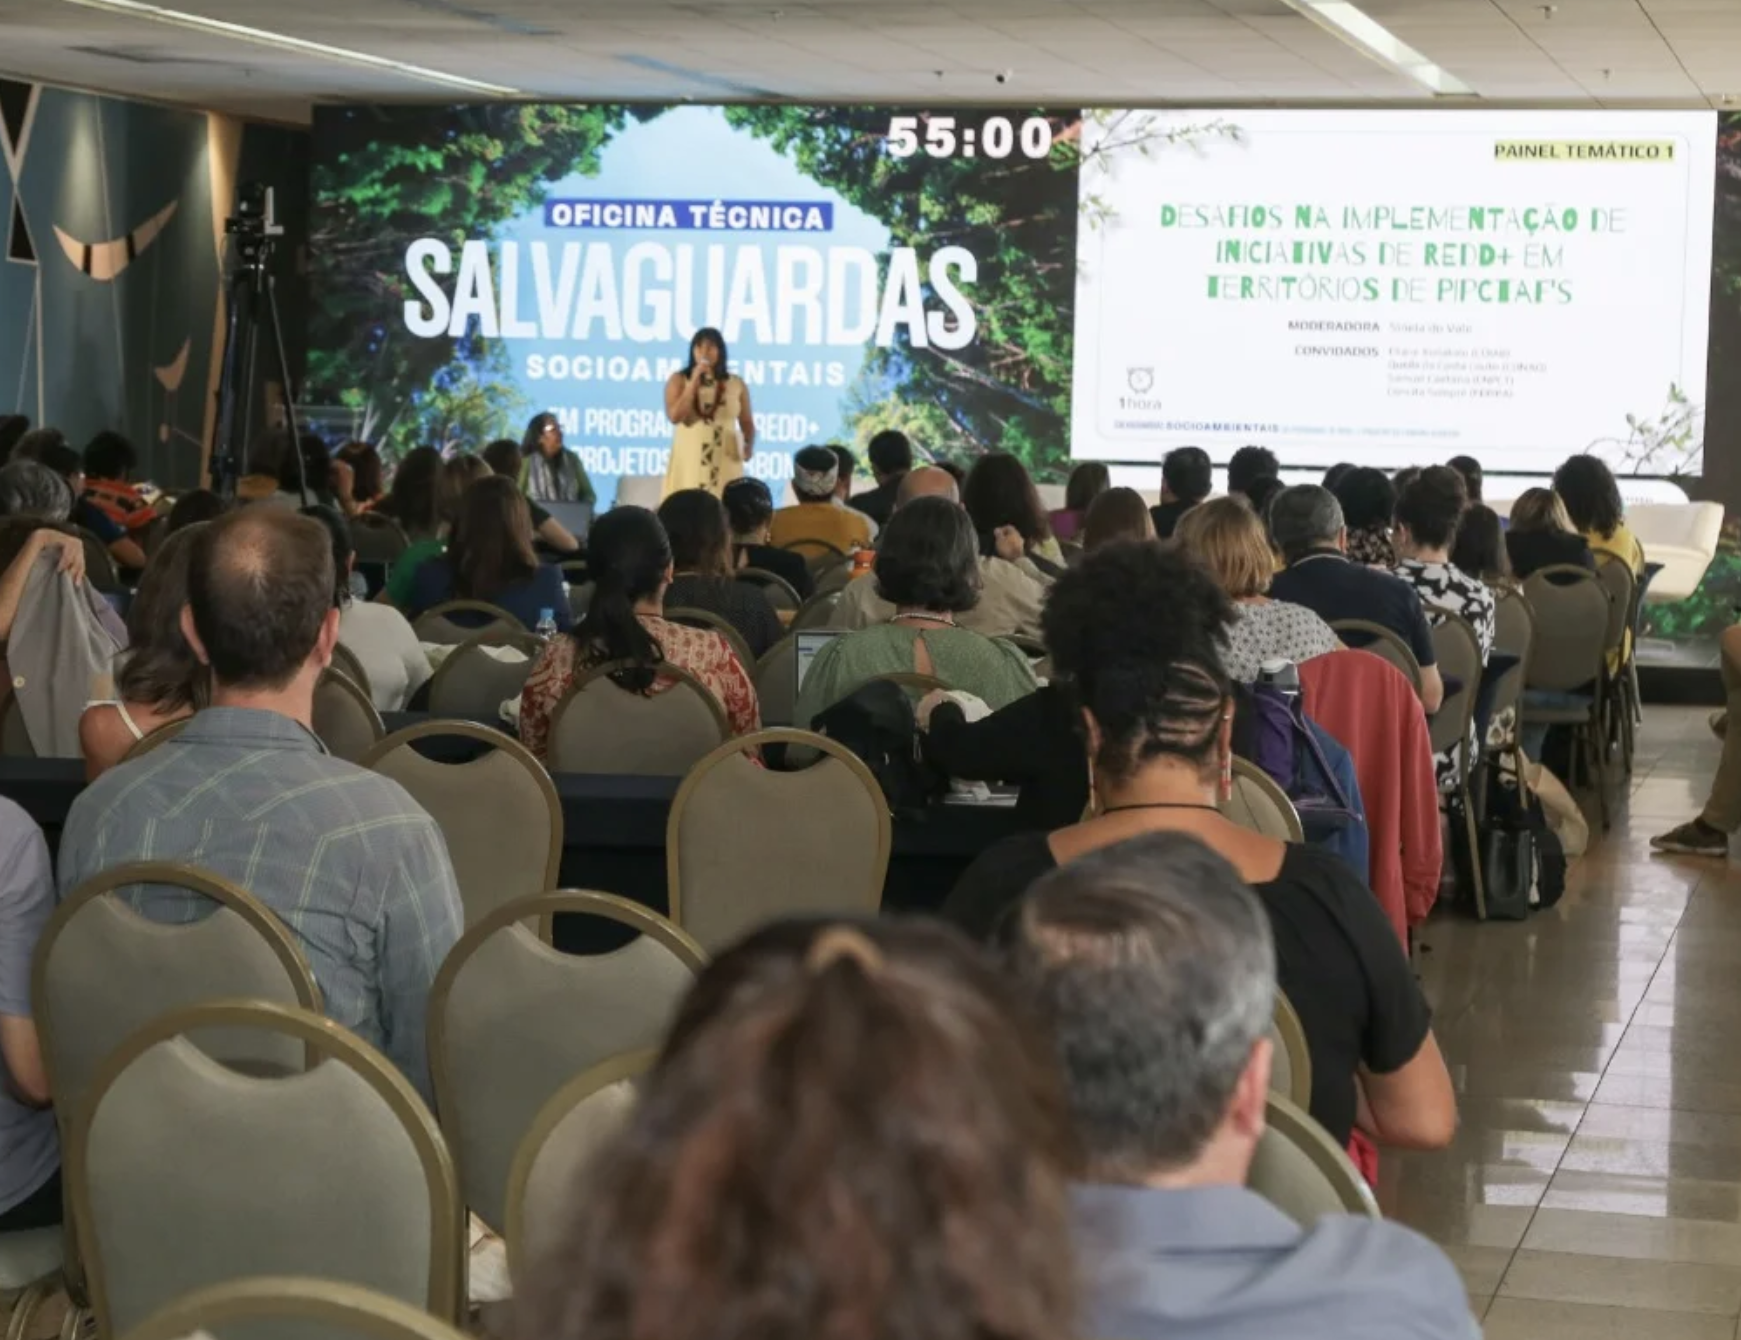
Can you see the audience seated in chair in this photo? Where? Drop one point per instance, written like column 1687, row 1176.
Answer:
column 159, row 679
column 1368, row 500
column 1187, row 478
column 1247, row 469
column 1000, row 493
column 1157, row 711
column 750, row 509
column 1087, row 481
column 816, row 517
column 110, row 461
column 378, row 635
column 1306, row 522
column 503, row 456
column 1541, row 535
column 192, row 508
column 927, row 568
column 1479, row 548
column 30, row 1191
column 358, row 872
column 891, row 457
column 1012, row 589
column 66, row 462
column 850, row 1132
column 631, row 569
column 1225, row 536
column 490, row 558
column 424, row 499
column 29, row 488
column 1116, row 514
column 1155, row 970
column 695, row 523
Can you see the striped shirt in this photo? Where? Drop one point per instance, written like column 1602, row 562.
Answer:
column 354, row 867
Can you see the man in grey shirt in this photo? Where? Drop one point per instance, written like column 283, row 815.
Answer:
column 30, row 1195
column 357, row 870
column 1155, row 967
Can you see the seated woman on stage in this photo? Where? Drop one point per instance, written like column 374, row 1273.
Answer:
column 491, row 559
column 927, row 566
column 553, row 472
column 1158, row 713
column 694, row 520
column 631, row 569
column 159, row 679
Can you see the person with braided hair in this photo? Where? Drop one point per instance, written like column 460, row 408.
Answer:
column 853, row 1129
column 1156, row 709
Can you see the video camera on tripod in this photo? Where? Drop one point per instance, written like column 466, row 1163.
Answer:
column 254, row 232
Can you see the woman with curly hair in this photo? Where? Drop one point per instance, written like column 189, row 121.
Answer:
column 1368, row 508
column 1592, row 497
column 1157, row 710
column 853, row 1130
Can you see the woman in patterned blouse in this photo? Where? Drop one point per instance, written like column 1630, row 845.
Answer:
column 631, row 568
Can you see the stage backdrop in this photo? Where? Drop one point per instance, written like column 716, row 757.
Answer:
column 474, row 266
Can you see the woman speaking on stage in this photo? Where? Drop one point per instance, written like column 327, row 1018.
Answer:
column 711, row 409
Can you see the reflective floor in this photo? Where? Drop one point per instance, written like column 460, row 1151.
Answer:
column 1594, row 1189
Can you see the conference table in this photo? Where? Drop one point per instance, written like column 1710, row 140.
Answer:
column 614, row 832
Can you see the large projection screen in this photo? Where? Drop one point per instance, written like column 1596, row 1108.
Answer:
column 1391, row 288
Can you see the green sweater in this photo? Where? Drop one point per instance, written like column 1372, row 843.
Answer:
column 988, row 667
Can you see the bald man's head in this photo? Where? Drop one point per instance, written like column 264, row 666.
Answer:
column 927, row 482
column 260, row 586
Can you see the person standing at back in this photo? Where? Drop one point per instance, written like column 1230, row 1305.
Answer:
column 1155, row 968
column 354, row 867
column 1187, row 477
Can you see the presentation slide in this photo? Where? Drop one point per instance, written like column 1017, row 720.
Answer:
column 1391, row 288
column 869, row 268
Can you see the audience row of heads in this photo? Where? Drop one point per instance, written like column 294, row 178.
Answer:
column 875, row 1125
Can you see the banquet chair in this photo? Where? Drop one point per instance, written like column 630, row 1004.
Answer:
column 564, row 1137
column 472, row 684
column 345, row 721
column 511, row 1020
column 1258, row 804
column 377, row 538
column 345, row 661
column 776, row 680
column 817, row 611
column 1364, row 635
column 499, row 811
column 833, row 576
column 1457, row 648
column 291, row 1304
column 459, row 621
column 777, row 589
column 694, row 618
column 184, row 1174
column 30, row 1268
column 1568, row 659
column 597, row 727
column 101, row 970
column 1290, row 1071
column 1622, row 587
column 1300, row 1170
column 829, row 824
column 152, row 738
column 818, row 554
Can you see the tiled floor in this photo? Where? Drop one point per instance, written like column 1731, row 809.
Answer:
column 1594, row 1190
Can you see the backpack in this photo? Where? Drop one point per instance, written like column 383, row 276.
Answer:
column 877, row 723
column 1275, row 736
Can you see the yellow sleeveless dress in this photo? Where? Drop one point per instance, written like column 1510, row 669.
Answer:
column 709, row 453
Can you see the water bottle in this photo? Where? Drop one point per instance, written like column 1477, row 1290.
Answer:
column 546, row 628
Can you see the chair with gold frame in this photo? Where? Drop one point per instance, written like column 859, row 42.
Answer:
column 1304, row 1173
column 184, row 1174
column 324, row 1307
column 345, row 720
column 599, row 727
column 511, row 1020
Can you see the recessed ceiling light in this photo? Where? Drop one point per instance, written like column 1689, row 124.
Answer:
column 1360, row 29
column 260, row 36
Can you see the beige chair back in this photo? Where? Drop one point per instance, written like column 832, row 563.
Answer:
column 745, row 845
column 472, row 684
column 695, row 618
column 184, row 1174
column 436, row 624
column 1513, row 622
column 776, row 679
column 1303, row 1172
column 1457, row 649
column 345, row 721
column 1290, row 1071
column 101, row 971
column 833, row 577
column 377, row 538
column 345, row 661
column 817, row 611
column 779, row 592
column 100, row 569
column 511, row 1020
column 578, row 1121
column 1259, row 804
column 818, row 554
column 1364, row 635
column 14, row 734
column 1570, row 627
column 284, row 1305
column 597, row 727
column 499, row 812
column 1617, row 577
column 152, row 738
